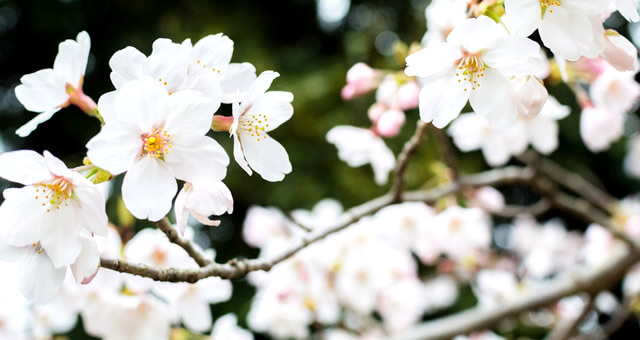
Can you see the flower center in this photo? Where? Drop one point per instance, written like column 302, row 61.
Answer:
column 159, row 257
column 470, row 69
column 156, row 144
column 37, row 247
column 54, row 193
column 548, row 4
column 255, row 125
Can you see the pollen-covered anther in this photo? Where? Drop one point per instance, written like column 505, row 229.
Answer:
column 54, row 193
column 156, row 144
column 469, row 70
column 256, row 124
column 548, row 4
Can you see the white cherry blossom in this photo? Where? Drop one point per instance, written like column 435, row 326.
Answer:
column 48, row 90
column 358, row 146
column 48, row 224
column 257, row 112
column 570, row 28
column 600, row 127
column 473, row 64
column 157, row 138
column 226, row 328
column 628, row 9
column 202, row 200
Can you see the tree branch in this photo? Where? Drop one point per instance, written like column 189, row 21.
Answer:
column 583, row 280
column 409, row 148
column 237, row 268
column 565, row 328
column 446, row 150
column 166, row 227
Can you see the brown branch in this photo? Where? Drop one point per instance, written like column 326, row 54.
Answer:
column 538, row 208
column 571, row 181
column 237, row 268
column 582, row 280
column 618, row 319
column 174, row 237
column 409, row 148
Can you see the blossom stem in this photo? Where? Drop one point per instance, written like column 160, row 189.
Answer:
column 221, row 123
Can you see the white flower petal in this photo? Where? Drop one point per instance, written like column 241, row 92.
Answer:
column 115, row 147
column 9, row 253
column 189, row 116
column 141, row 102
column 494, row 99
column 442, row 100
column 436, row 58
column 39, row 281
column 214, row 50
column 71, row 61
column 238, row 155
column 202, row 159
column 148, row 188
column 514, row 55
column 476, row 34
column 544, row 135
column 92, row 205
column 42, row 91
column 195, row 315
column 30, row 126
column 468, row 131
column 275, row 106
column 23, row 166
column 59, row 234
column 259, row 87
column 266, row 157
column 522, row 17
column 237, row 77
column 628, row 9
column 21, row 216
column 126, row 64
column 568, row 34
column 86, row 266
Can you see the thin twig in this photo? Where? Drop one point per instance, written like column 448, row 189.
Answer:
column 538, row 208
column 174, row 237
column 297, row 223
column 409, row 148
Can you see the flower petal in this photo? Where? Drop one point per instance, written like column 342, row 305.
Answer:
column 23, row 166
column 514, row 55
column 91, row 202
column 189, row 116
column 21, row 216
column 494, row 99
column 266, row 157
column 213, row 50
column 259, row 87
column 115, row 147
column 442, row 100
column 238, row 155
column 30, row 126
column 203, row 159
column 126, row 64
column 275, row 106
column 39, row 281
column 522, row 17
column 436, row 58
column 237, row 77
column 71, row 61
column 141, row 102
column 42, row 91
column 86, row 266
column 59, row 234
column 195, row 314
column 628, row 9
column 568, row 34
column 476, row 34
column 148, row 188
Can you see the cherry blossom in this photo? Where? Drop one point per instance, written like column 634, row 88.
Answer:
column 258, row 112
column 51, row 89
column 358, row 146
column 48, row 224
column 570, row 28
column 473, row 64
column 202, row 200
column 226, row 327
column 157, row 138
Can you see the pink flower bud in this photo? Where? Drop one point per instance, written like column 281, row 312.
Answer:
column 375, row 112
column 531, row 95
column 408, row 96
column 360, row 79
column 619, row 52
column 390, row 123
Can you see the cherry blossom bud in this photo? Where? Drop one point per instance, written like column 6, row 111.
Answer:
column 619, row 52
column 390, row 123
column 360, row 79
column 376, row 111
column 221, row 123
column 531, row 95
column 408, row 96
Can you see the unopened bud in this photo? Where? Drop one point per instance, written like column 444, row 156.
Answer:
column 531, row 95
column 619, row 52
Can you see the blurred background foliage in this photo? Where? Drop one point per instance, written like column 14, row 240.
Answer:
column 310, row 43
